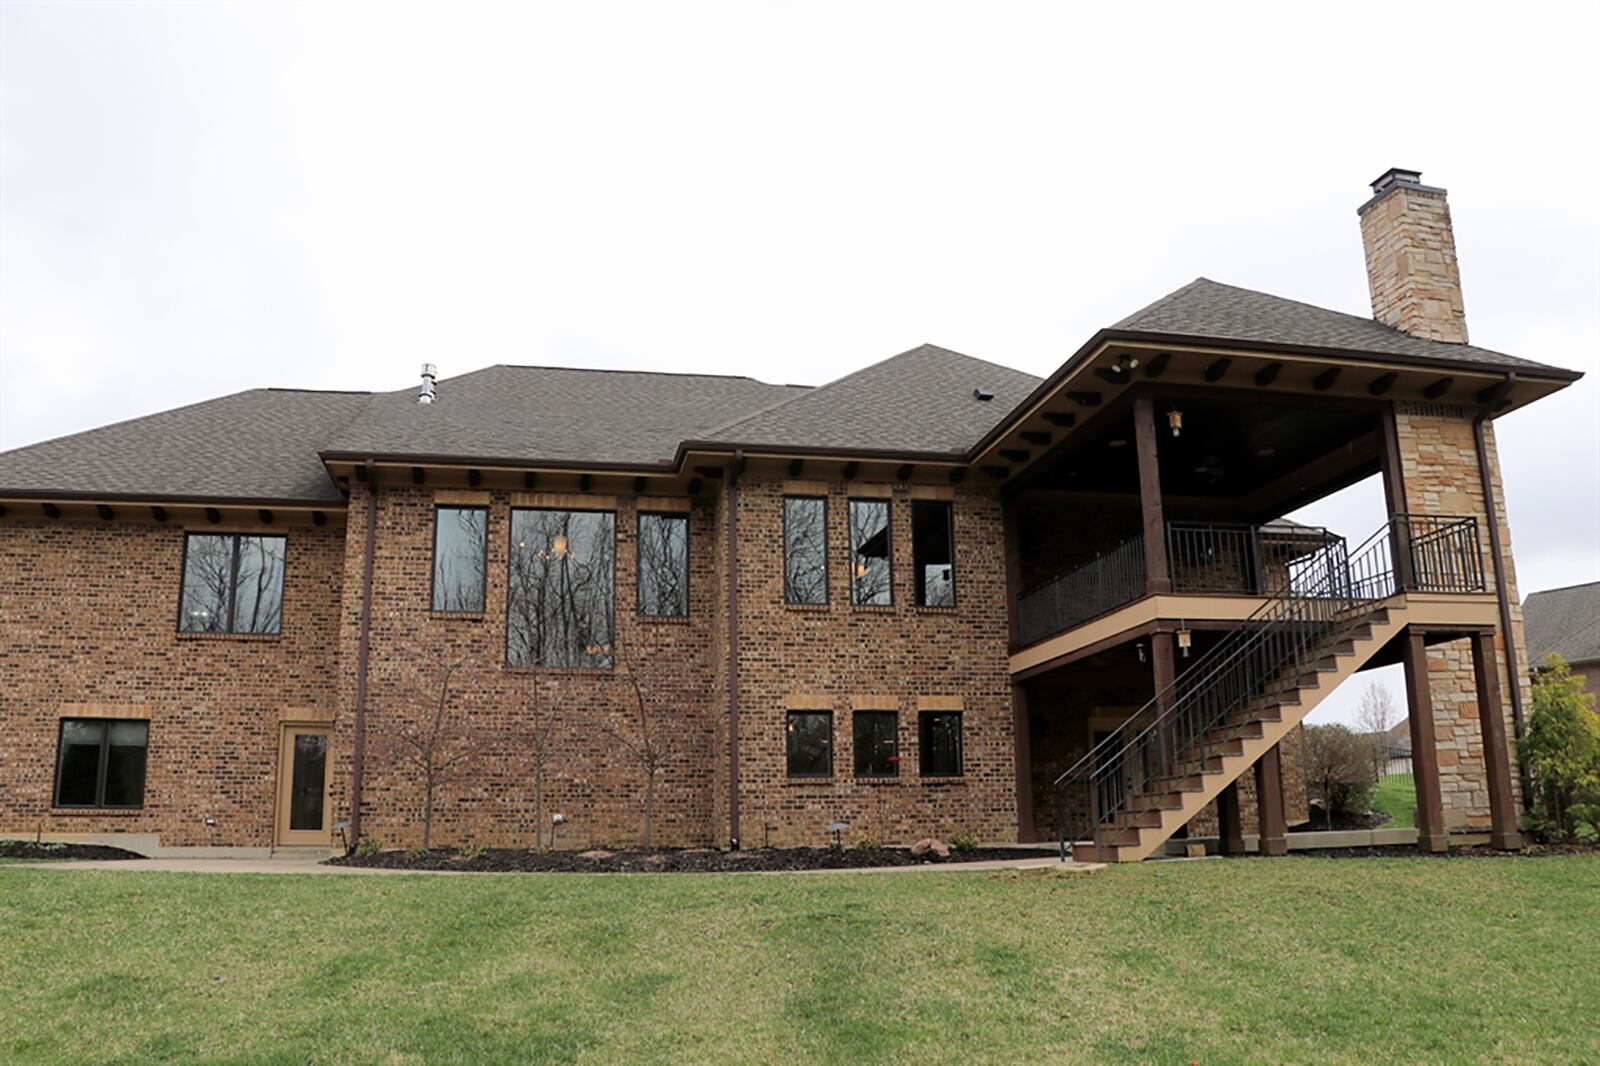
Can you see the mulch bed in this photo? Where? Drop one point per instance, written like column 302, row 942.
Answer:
column 27, row 849
column 688, row 860
column 1369, row 820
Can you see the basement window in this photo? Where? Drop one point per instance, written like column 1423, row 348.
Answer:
column 810, row 743
column 877, row 748
column 460, row 558
column 939, row 743
column 100, row 763
column 232, row 583
column 805, row 549
column 933, row 553
column 561, row 588
column 664, row 565
column 870, row 572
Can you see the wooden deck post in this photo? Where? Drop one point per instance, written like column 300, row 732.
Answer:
column 1424, row 751
column 1269, row 803
column 1496, row 753
column 1162, row 672
column 1230, row 826
column 1156, row 576
column 1394, row 498
column 1026, row 832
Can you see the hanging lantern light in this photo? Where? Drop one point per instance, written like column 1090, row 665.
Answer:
column 559, row 546
column 1185, row 638
column 1175, row 420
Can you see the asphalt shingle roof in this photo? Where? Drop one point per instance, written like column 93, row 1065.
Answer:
column 530, row 413
column 1565, row 621
column 1205, row 308
column 257, row 445
column 918, row 401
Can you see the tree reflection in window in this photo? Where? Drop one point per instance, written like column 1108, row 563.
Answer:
column 561, row 588
column 869, row 552
column 232, row 584
column 460, row 557
column 664, row 565
column 805, row 549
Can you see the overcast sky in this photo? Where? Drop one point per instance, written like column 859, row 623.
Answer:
column 204, row 198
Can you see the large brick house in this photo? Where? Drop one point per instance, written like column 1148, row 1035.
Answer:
column 935, row 596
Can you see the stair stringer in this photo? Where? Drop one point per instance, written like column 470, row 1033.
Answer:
column 1291, row 715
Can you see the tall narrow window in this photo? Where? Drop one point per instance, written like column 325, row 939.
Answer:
column 232, row 583
column 100, row 763
column 933, row 554
column 869, row 553
column 810, row 743
column 805, row 549
column 939, row 743
column 561, row 586
column 877, row 748
column 664, row 565
column 460, row 557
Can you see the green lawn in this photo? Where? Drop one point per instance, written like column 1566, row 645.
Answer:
column 1398, row 797
column 1267, row 960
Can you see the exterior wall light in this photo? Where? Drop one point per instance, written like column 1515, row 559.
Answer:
column 1175, row 420
column 1185, row 638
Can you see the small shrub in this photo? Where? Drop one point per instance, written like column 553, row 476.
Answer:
column 1339, row 770
column 868, row 843
column 369, row 847
column 963, row 842
column 472, row 851
column 834, row 845
column 416, row 853
column 1562, row 754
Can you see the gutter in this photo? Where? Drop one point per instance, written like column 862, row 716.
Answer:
column 733, row 651
column 358, row 758
column 1502, row 593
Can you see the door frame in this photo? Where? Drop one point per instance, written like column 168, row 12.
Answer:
column 282, row 835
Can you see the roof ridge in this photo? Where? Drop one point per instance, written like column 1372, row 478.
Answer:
column 1167, row 299
column 1564, row 588
column 630, row 370
column 814, row 390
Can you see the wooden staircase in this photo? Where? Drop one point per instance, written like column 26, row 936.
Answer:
column 1153, row 813
column 1334, row 609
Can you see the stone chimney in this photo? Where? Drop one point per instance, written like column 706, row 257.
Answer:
column 1411, row 258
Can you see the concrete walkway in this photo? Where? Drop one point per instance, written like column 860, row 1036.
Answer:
column 305, row 866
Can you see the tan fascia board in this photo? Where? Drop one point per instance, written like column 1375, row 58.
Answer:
column 1084, row 360
column 178, row 511
column 1131, row 617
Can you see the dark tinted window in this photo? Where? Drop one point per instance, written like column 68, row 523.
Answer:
column 100, row 763
column 933, row 553
column 939, row 743
column 232, row 583
column 664, row 565
column 460, row 557
column 810, row 743
column 869, row 552
column 805, row 549
column 876, row 746
column 561, row 584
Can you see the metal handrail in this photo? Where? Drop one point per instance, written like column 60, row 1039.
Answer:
column 1324, row 598
column 1112, row 578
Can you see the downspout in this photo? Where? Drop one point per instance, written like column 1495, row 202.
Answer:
column 1502, row 592
column 358, row 757
column 733, row 650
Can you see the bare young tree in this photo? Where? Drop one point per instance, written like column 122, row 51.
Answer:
column 429, row 733
column 538, row 741
column 647, row 746
column 1374, row 716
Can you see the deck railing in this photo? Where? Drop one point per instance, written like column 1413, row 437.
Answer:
column 1109, row 580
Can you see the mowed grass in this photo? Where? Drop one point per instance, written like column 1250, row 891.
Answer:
column 1264, row 960
column 1397, row 797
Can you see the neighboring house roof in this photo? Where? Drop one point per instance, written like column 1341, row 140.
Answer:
column 1205, row 308
column 555, row 414
column 1564, row 621
column 259, row 446
column 922, row 400
column 1397, row 740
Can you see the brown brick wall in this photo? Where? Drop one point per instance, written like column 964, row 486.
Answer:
column 1440, row 464
column 841, row 652
column 88, row 615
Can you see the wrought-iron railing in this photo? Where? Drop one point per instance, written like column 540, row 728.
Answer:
column 1322, row 600
column 1114, row 577
column 1256, row 560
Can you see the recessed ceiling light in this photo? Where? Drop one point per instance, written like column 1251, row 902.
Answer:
column 1264, row 452
column 1117, row 443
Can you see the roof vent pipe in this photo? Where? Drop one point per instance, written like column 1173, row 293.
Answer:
column 429, row 372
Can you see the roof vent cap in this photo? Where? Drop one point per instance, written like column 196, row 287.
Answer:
column 429, row 373
column 982, row 394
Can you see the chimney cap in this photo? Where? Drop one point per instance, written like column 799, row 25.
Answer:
column 1396, row 176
